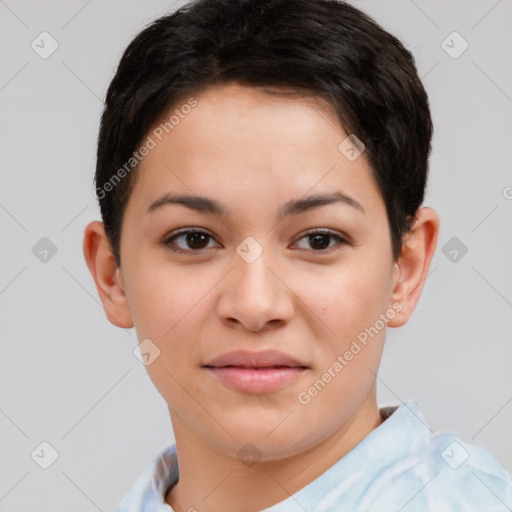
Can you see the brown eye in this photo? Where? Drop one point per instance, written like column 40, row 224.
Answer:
column 320, row 240
column 188, row 241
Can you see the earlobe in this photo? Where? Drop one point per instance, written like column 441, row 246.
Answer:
column 107, row 276
column 413, row 264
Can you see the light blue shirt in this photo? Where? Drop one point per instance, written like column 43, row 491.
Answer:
column 401, row 466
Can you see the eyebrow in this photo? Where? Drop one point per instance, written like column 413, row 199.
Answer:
column 293, row 207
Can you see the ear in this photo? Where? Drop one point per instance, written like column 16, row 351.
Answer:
column 412, row 265
column 107, row 276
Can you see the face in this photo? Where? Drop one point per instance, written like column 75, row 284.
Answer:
column 258, row 297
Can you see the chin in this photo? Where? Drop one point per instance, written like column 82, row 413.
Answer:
column 273, row 438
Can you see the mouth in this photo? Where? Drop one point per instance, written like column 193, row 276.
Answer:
column 256, row 372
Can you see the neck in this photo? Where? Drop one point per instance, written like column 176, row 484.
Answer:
column 209, row 480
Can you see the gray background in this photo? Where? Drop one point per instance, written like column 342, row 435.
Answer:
column 68, row 377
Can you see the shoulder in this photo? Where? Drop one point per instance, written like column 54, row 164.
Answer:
column 148, row 489
column 446, row 474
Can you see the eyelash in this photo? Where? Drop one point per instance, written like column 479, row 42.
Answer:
column 168, row 242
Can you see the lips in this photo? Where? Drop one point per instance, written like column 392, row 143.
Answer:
column 263, row 359
column 266, row 371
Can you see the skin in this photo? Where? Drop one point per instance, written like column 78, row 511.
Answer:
column 252, row 152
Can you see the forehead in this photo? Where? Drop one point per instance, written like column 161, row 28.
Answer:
column 240, row 141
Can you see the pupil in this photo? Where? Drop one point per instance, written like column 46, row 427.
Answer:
column 194, row 239
column 198, row 239
column 317, row 240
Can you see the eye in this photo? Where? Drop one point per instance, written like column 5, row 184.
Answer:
column 192, row 240
column 320, row 239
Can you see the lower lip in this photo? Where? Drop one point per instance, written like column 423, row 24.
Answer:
column 261, row 380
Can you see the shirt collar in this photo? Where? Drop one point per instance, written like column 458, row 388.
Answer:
column 404, row 430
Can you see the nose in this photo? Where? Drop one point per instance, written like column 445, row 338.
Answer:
column 255, row 296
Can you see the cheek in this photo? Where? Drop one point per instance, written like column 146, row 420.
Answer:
column 347, row 360
column 348, row 298
column 162, row 296
column 168, row 306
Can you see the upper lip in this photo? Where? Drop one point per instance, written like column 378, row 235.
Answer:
column 261, row 359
